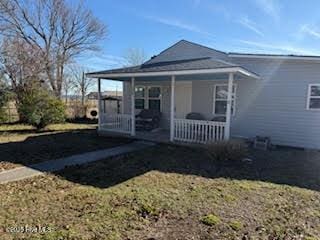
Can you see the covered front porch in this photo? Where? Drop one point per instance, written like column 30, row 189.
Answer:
column 173, row 104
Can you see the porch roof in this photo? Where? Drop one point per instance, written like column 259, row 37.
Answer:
column 195, row 67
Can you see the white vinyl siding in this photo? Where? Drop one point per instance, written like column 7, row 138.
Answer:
column 275, row 105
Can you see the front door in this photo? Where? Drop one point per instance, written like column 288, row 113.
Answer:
column 183, row 98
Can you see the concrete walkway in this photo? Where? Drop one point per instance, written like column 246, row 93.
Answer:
column 58, row 164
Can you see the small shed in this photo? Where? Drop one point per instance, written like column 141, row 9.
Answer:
column 111, row 104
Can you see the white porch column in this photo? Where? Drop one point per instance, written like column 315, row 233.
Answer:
column 229, row 104
column 172, row 109
column 133, row 117
column 99, row 104
column 122, row 102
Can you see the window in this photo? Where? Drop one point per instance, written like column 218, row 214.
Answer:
column 220, row 99
column 148, row 97
column 140, row 97
column 154, row 95
column 314, row 97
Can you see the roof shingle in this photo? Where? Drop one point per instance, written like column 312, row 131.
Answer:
column 187, row 64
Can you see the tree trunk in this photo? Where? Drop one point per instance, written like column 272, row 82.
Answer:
column 82, row 100
column 83, row 91
column 66, row 96
column 60, row 79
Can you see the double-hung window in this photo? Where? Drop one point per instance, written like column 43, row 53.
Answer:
column 148, row 97
column 313, row 97
column 154, row 98
column 220, row 99
column 140, row 97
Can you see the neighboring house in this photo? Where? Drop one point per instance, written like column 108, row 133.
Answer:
column 70, row 97
column 239, row 95
column 94, row 95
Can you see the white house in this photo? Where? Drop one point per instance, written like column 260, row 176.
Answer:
column 238, row 95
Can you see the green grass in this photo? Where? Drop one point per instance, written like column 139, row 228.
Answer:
column 210, row 220
column 10, row 127
column 51, row 127
column 161, row 193
column 236, row 225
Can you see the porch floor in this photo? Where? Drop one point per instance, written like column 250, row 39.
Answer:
column 157, row 135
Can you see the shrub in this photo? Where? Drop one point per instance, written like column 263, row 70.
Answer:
column 210, row 220
column 4, row 99
column 39, row 108
column 233, row 150
column 3, row 115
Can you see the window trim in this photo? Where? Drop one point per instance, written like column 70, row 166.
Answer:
column 309, row 97
column 146, row 96
column 214, row 99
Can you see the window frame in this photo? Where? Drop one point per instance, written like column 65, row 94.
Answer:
column 309, row 97
column 154, row 98
column 146, row 97
column 215, row 99
column 139, row 98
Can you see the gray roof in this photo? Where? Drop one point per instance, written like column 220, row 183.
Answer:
column 188, row 64
column 187, row 50
column 183, row 55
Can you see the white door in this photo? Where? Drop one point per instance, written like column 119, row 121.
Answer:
column 183, row 98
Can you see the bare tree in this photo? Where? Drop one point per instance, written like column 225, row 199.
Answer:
column 80, row 82
column 134, row 56
column 58, row 30
column 67, row 86
column 20, row 64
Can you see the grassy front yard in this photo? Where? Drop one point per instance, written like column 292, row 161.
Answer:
column 170, row 192
column 20, row 132
column 23, row 145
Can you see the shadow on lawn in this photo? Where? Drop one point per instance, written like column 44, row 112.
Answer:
column 25, row 131
column 296, row 168
column 286, row 166
column 50, row 145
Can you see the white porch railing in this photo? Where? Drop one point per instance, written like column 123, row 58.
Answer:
column 116, row 123
column 198, row 131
